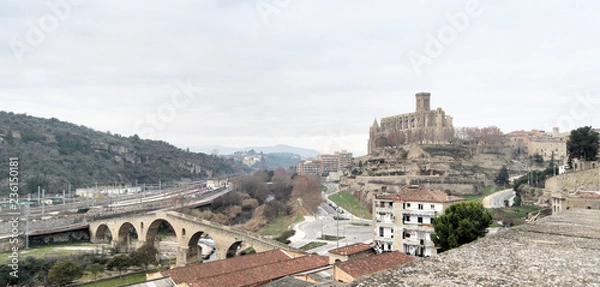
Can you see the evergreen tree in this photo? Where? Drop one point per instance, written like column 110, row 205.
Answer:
column 583, row 144
column 64, row 272
column 461, row 223
column 502, row 178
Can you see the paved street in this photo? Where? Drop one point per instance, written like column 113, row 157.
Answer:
column 496, row 200
column 323, row 223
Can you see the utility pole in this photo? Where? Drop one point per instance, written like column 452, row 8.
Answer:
column 43, row 196
column 337, row 232
column 27, row 213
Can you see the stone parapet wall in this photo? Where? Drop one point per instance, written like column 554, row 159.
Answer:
column 558, row 250
column 587, row 180
column 40, row 224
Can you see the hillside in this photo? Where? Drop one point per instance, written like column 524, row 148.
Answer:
column 456, row 169
column 52, row 153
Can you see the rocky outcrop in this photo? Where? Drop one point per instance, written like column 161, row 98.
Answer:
column 456, row 169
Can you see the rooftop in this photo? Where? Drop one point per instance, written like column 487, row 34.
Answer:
column 369, row 265
column 259, row 275
column 558, row 250
column 351, row 249
column 195, row 272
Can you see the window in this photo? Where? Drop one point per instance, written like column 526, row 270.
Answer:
column 380, row 231
column 420, row 206
column 433, row 206
column 407, row 218
column 420, row 219
column 408, row 204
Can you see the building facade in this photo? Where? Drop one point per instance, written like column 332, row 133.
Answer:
column 562, row 201
column 329, row 163
column 423, row 123
column 345, row 159
column 404, row 221
column 309, row 167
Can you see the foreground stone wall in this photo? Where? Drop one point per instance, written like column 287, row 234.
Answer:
column 558, row 250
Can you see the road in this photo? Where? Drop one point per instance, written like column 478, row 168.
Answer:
column 497, row 199
column 353, row 229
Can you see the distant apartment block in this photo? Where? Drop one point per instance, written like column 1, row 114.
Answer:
column 345, row 160
column 403, row 221
column 309, row 167
column 327, row 163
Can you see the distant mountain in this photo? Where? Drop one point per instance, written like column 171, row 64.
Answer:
column 53, row 153
column 279, row 149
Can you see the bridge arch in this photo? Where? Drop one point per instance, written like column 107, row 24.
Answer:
column 126, row 236
column 103, row 234
column 154, row 227
column 194, row 249
column 233, row 249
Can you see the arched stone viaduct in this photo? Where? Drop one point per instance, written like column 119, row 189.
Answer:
column 188, row 231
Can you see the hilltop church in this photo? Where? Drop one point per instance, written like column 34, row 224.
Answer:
column 423, row 122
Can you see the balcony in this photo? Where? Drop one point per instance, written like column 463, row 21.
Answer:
column 422, row 212
column 384, row 238
column 384, row 209
column 418, row 242
column 384, row 206
column 385, row 219
column 425, row 227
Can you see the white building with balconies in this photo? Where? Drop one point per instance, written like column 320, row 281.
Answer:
column 404, row 221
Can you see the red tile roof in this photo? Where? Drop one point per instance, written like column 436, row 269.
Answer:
column 195, row 272
column 368, row 265
column 259, row 275
column 351, row 249
column 421, row 194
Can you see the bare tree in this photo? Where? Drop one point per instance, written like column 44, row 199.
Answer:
column 308, row 189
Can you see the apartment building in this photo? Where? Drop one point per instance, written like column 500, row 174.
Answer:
column 345, row 159
column 403, row 221
column 309, row 167
column 329, row 163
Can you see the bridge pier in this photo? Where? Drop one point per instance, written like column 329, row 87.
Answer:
column 182, row 253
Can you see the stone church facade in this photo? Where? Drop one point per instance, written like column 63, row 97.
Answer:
column 423, row 123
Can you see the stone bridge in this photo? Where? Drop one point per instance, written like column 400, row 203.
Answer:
column 118, row 231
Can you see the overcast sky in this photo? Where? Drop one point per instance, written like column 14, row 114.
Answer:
column 307, row 73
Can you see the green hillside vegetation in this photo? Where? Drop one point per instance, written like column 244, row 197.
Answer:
column 53, row 153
